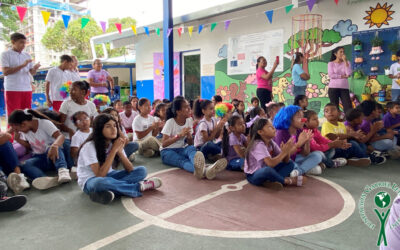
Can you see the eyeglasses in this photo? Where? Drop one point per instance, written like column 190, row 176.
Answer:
column 82, row 120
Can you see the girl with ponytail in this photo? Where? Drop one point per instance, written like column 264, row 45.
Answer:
column 300, row 74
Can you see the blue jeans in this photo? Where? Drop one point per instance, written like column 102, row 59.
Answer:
column 278, row 173
column 35, row 166
column 304, row 163
column 357, row 150
column 395, row 94
column 210, row 148
column 299, row 90
column 327, row 158
column 235, row 164
column 131, row 148
column 120, row 182
column 385, row 144
column 67, row 153
column 8, row 158
column 179, row 157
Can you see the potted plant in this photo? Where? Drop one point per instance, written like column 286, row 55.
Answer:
column 387, row 70
column 358, row 74
column 375, row 68
column 394, row 47
column 357, row 44
column 376, row 46
column 358, row 59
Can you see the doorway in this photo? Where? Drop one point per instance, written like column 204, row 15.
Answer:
column 191, row 74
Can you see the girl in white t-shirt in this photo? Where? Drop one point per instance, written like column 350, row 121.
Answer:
column 177, row 143
column 146, row 129
column 102, row 150
column 160, row 116
column 82, row 122
column 208, row 129
column 45, row 140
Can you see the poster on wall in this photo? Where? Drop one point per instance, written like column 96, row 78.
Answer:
column 244, row 50
column 158, row 70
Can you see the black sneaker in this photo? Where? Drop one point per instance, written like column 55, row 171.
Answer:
column 105, row 197
column 12, row 203
column 377, row 159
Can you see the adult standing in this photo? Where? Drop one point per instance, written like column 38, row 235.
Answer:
column 74, row 69
column 394, row 74
column 55, row 78
column 264, row 81
column 98, row 78
column 339, row 71
column 17, row 68
column 300, row 74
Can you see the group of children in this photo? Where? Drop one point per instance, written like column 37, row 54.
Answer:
column 274, row 146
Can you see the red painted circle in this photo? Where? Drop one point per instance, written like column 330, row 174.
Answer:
column 249, row 209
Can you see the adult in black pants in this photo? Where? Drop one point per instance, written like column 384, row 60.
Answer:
column 264, row 81
column 339, row 71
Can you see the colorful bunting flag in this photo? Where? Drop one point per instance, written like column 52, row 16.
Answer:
column 158, row 31
column 134, row 29
column 227, row 22
column 269, row 14
column 146, row 29
column 289, row 8
column 336, row 1
column 169, row 32
column 119, row 27
column 46, row 16
column 180, row 29
column 21, row 12
column 213, row 25
column 200, row 28
column 66, row 19
column 190, row 29
column 84, row 21
column 103, row 26
column 310, row 4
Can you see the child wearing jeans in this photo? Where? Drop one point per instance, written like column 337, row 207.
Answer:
column 45, row 140
column 177, row 143
column 289, row 123
column 208, row 129
column 234, row 143
column 103, row 149
column 320, row 143
column 266, row 163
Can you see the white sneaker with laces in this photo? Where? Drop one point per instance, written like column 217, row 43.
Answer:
column 151, row 183
column 315, row 171
column 63, row 175
column 339, row 162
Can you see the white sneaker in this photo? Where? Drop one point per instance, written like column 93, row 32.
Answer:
column 315, row 171
column 63, row 175
column 199, row 165
column 294, row 173
column 46, row 182
column 14, row 182
column 152, row 183
column 214, row 169
column 339, row 162
column 24, row 183
column 74, row 173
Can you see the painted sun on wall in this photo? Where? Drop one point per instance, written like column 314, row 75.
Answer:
column 379, row 15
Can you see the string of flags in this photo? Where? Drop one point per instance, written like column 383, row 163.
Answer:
column 84, row 21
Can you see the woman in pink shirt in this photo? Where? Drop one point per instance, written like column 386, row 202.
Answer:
column 339, row 71
column 264, row 81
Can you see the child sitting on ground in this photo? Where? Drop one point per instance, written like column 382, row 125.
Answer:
column 104, row 149
column 234, row 143
column 391, row 120
column 160, row 117
column 117, row 104
column 239, row 109
column 266, row 163
column 82, row 122
column 302, row 102
column 127, row 117
column 255, row 102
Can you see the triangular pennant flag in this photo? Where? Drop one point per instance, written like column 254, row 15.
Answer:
column 103, row 26
column 200, row 28
column 134, row 29
column 66, row 19
column 180, row 31
column 118, row 25
column 213, row 25
column 336, row 1
column 227, row 22
column 158, row 31
column 21, row 12
column 269, row 14
column 289, row 8
column 310, row 4
column 84, row 21
column 169, row 31
column 190, row 29
column 46, row 16
column 146, row 29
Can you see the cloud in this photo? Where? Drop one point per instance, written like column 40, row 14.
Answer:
column 345, row 28
column 223, row 51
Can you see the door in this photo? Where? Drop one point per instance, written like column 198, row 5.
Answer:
column 191, row 75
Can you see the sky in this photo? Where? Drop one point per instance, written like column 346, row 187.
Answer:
column 146, row 11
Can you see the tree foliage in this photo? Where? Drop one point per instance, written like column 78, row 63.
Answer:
column 9, row 18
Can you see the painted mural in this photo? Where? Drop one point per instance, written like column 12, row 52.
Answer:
column 379, row 15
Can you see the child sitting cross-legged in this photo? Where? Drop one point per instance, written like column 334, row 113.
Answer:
column 391, row 120
column 320, row 143
column 234, row 143
column 266, row 163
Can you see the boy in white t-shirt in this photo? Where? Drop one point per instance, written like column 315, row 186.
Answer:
column 395, row 76
column 146, row 129
column 82, row 122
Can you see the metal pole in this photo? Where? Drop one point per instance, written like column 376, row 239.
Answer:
column 168, row 51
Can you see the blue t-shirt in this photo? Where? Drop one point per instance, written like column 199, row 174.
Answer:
column 296, row 72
